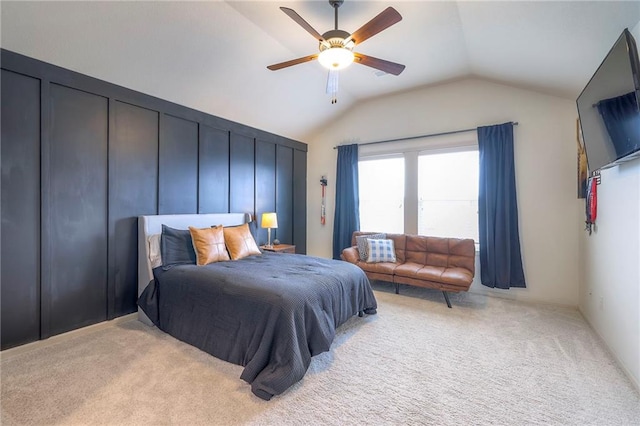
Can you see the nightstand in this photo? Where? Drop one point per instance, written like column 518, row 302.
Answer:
column 280, row 248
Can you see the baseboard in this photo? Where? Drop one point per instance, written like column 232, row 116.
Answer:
column 19, row 350
column 518, row 297
column 626, row 371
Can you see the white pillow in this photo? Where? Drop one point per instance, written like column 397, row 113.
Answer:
column 380, row 251
column 155, row 256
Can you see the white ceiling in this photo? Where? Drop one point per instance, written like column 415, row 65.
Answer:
column 212, row 56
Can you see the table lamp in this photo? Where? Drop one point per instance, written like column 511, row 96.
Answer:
column 269, row 220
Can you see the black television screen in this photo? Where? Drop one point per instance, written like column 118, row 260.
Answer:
column 609, row 107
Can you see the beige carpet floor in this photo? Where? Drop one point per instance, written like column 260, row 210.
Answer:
column 487, row 361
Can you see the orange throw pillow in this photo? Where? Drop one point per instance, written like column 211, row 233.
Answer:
column 209, row 245
column 240, row 242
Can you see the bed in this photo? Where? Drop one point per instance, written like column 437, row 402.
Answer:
column 269, row 313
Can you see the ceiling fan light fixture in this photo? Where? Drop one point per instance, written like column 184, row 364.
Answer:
column 336, row 58
column 336, row 46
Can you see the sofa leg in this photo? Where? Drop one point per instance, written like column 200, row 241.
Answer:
column 446, row 297
column 397, row 288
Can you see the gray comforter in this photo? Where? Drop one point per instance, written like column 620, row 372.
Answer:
column 268, row 313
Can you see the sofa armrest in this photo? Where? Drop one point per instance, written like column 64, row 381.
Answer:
column 351, row 255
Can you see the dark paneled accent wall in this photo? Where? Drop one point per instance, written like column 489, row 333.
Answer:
column 82, row 158
column 133, row 157
column 265, row 183
column 300, row 200
column 178, row 184
column 214, row 170
column 241, row 173
column 76, row 231
column 20, row 301
column 284, row 193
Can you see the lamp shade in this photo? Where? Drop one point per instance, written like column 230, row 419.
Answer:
column 269, row 220
column 335, row 58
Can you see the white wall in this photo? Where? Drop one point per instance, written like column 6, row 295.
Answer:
column 545, row 149
column 610, row 257
column 610, row 264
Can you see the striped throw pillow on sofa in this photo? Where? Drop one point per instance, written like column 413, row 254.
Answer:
column 361, row 242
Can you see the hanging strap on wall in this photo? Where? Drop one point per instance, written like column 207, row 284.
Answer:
column 323, row 208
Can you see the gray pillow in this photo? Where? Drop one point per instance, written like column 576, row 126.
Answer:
column 176, row 247
column 361, row 242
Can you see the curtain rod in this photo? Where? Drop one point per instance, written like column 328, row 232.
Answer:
column 515, row 123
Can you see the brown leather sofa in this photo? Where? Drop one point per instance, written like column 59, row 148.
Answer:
column 446, row 264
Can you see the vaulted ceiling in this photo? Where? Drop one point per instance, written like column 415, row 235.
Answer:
column 212, row 56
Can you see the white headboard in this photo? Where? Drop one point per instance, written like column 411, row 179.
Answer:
column 150, row 225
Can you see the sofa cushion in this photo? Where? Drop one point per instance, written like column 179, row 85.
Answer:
column 430, row 273
column 437, row 259
column 465, row 262
column 457, row 276
column 438, row 245
column 462, row 254
column 408, row 269
column 400, row 242
column 416, row 249
column 350, row 254
column 378, row 268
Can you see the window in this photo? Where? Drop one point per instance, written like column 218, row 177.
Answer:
column 416, row 191
column 448, row 194
column 382, row 194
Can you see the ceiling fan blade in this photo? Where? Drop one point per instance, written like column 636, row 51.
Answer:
column 304, row 24
column 379, row 64
column 302, row 60
column 382, row 21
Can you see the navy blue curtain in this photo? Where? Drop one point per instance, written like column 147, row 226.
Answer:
column 500, row 257
column 622, row 120
column 347, row 214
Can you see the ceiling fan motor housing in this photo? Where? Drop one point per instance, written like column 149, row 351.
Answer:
column 335, row 38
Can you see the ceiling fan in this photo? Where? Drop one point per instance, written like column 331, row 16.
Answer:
column 336, row 46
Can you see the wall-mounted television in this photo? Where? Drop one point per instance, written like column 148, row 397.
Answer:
column 609, row 107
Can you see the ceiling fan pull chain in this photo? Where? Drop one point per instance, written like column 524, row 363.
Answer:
column 332, row 85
